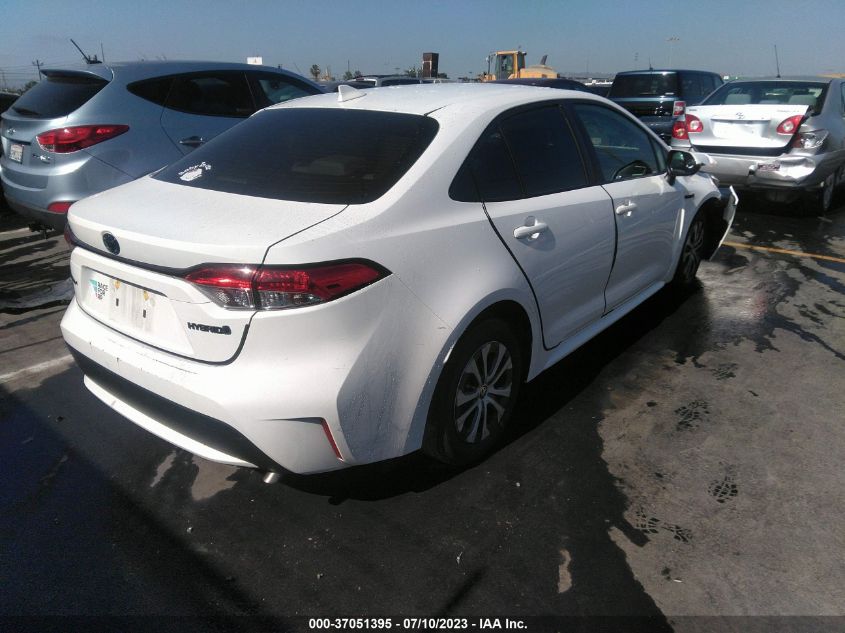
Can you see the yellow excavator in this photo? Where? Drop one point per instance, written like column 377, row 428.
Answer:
column 511, row 65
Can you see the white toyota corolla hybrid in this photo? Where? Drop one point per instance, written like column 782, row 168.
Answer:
column 347, row 278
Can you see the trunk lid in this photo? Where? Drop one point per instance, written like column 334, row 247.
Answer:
column 751, row 126
column 162, row 229
column 173, row 226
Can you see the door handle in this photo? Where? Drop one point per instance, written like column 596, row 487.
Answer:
column 531, row 229
column 627, row 208
column 192, row 141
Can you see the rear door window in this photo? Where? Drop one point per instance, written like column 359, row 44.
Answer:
column 58, row 95
column 624, row 150
column 155, row 90
column 490, row 169
column 212, row 94
column 545, row 152
column 320, row 155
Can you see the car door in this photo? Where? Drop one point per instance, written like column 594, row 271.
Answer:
column 555, row 223
column 202, row 105
column 647, row 208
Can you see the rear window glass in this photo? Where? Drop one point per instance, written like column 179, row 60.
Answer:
column 58, row 95
column 645, row 85
column 770, row 92
column 308, row 155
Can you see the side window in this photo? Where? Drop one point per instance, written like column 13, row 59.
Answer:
column 661, row 153
column 490, row 165
column 623, row 149
column 212, row 94
column 154, row 90
column 545, row 152
column 270, row 89
column 691, row 87
column 843, row 99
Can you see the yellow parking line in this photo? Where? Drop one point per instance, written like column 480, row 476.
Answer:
column 785, row 251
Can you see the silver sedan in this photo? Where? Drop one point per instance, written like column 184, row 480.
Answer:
column 779, row 136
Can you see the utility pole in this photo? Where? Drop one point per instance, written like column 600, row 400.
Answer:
column 672, row 41
column 37, row 64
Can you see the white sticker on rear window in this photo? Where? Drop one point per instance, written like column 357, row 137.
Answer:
column 194, row 172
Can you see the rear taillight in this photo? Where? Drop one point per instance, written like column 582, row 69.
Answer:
column 72, row 139
column 691, row 125
column 678, row 108
column 790, row 125
column 694, row 124
column 281, row 287
column 60, row 206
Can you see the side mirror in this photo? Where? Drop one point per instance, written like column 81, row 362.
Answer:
column 681, row 164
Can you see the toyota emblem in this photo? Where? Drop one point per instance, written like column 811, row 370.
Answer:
column 111, row 243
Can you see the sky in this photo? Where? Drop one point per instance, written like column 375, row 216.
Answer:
column 735, row 37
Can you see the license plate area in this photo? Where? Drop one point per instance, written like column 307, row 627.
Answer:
column 768, row 167
column 16, row 152
column 139, row 312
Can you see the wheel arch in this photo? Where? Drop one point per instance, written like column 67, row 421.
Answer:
column 505, row 306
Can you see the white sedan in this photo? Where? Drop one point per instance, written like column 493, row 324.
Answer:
column 351, row 277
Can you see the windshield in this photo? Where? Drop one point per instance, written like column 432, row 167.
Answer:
column 645, row 85
column 58, row 95
column 308, row 155
column 770, row 92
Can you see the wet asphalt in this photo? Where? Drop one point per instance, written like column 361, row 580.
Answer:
column 683, row 466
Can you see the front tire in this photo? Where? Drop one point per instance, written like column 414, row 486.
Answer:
column 691, row 253
column 475, row 396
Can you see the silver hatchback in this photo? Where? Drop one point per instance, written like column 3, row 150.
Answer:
column 81, row 131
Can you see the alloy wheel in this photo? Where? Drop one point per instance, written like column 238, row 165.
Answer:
column 484, row 391
column 691, row 256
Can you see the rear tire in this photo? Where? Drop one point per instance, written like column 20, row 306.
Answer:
column 691, row 253
column 475, row 396
column 824, row 198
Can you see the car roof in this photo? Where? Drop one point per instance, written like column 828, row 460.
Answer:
column 133, row 71
column 468, row 99
column 814, row 78
column 654, row 71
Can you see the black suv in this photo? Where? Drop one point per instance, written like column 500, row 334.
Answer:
column 657, row 97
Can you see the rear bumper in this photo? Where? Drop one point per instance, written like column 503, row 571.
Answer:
column 364, row 368
column 41, row 216
column 30, row 190
column 785, row 172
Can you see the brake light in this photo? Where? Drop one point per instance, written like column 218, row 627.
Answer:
column 788, row 126
column 281, row 287
column 678, row 108
column 679, row 131
column 71, row 139
column 60, row 206
column 330, row 438
column 694, row 124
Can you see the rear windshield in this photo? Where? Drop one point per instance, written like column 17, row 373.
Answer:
column 58, row 95
column 770, row 92
column 645, row 85
column 308, row 155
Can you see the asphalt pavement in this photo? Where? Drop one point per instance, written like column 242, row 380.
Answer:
column 682, row 471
